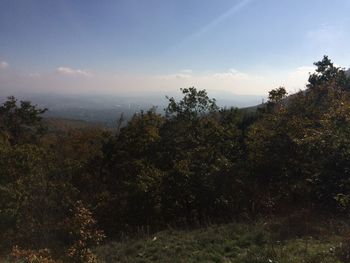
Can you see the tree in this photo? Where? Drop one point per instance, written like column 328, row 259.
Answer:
column 21, row 124
column 277, row 95
column 326, row 72
column 298, row 152
column 132, row 177
column 197, row 149
column 194, row 104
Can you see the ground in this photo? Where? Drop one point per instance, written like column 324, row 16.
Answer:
column 275, row 241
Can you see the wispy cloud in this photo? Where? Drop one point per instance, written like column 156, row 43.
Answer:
column 212, row 24
column 4, row 64
column 218, row 20
column 72, row 72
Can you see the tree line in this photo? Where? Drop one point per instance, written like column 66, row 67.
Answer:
column 63, row 193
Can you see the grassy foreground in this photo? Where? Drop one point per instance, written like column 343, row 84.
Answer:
column 283, row 241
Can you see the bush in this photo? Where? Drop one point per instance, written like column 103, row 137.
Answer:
column 84, row 235
column 31, row 256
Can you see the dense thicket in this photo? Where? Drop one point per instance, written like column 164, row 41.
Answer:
column 197, row 163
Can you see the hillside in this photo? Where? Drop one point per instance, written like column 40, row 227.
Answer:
column 63, row 125
column 288, row 240
column 283, row 169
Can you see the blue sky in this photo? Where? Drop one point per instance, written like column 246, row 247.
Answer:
column 135, row 42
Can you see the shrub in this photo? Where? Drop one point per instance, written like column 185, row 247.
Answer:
column 31, row 256
column 84, row 235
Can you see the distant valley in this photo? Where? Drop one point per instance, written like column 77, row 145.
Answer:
column 106, row 110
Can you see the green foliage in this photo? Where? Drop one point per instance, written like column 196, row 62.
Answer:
column 132, row 179
column 194, row 104
column 34, row 195
column 20, row 124
column 199, row 148
column 38, row 202
column 326, row 72
column 277, row 95
column 36, row 188
column 300, row 150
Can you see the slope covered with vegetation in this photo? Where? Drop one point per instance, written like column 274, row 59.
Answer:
column 64, row 193
column 280, row 240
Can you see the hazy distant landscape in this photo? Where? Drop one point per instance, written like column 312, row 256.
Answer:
column 107, row 110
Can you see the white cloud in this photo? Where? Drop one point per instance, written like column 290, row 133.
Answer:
column 231, row 80
column 187, row 71
column 182, row 76
column 34, row 75
column 301, row 73
column 72, row 72
column 188, row 74
column 231, row 73
column 4, row 65
column 298, row 78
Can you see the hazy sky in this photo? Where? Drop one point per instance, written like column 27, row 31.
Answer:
column 137, row 46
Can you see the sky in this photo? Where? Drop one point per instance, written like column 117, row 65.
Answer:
column 140, row 47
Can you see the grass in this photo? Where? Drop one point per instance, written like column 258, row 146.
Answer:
column 282, row 241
